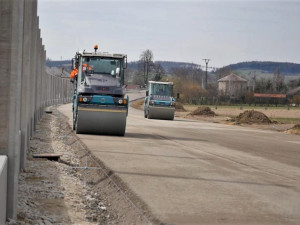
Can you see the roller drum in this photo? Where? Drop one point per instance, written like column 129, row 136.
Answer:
column 163, row 113
column 103, row 120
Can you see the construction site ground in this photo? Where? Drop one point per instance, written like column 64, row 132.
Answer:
column 284, row 118
column 78, row 189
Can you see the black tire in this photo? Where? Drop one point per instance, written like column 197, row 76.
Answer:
column 74, row 121
column 148, row 116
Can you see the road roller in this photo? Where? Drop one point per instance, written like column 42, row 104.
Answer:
column 99, row 102
column 159, row 101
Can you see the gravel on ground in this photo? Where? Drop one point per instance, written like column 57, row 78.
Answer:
column 76, row 189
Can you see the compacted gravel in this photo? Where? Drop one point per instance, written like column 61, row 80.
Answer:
column 76, row 189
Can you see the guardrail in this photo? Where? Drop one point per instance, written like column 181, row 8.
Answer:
column 25, row 88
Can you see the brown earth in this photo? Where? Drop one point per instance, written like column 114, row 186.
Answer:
column 294, row 130
column 227, row 115
column 203, row 111
column 179, row 107
column 252, row 116
column 138, row 104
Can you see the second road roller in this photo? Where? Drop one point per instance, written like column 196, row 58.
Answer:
column 159, row 101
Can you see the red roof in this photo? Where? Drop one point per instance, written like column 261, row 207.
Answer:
column 269, row 95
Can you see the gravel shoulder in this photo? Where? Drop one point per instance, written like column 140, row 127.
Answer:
column 76, row 189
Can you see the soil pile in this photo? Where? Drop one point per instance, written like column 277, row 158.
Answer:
column 294, row 130
column 138, row 104
column 252, row 116
column 203, row 111
column 179, row 107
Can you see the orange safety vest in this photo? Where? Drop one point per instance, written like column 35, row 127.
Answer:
column 74, row 73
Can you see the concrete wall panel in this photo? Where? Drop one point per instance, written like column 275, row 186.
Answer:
column 3, row 188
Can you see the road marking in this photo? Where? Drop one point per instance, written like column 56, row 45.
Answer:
column 295, row 142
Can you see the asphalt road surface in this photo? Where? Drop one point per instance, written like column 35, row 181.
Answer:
column 192, row 172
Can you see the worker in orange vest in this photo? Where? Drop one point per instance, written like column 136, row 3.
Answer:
column 74, row 73
column 86, row 67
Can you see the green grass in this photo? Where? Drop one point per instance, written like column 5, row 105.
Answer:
column 247, row 107
column 287, row 120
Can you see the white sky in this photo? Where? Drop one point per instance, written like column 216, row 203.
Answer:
column 185, row 31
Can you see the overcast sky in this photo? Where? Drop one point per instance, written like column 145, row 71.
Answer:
column 184, row 31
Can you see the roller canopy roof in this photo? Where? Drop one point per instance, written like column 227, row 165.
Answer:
column 102, row 54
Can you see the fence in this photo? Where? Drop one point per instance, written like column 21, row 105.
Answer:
column 25, row 88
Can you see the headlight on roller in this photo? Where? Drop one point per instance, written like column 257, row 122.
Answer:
column 84, row 99
column 121, row 101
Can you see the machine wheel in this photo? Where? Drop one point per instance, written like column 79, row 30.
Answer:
column 76, row 127
column 148, row 116
column 74, row 121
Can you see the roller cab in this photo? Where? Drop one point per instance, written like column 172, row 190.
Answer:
column 159, row 101
column 100, row 105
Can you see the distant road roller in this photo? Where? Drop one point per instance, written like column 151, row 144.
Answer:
column 159, row 101
column 99, row 102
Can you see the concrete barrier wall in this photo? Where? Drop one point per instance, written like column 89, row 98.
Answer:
column 3, row 188
column 25, row 88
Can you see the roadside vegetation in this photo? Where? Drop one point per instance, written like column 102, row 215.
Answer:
column 188, row 78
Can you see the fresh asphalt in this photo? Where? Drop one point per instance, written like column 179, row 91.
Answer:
column 193, row 172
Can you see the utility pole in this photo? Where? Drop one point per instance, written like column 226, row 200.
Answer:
column 204, row 81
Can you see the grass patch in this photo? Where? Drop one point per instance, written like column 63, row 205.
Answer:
column 245, row 107
column 286, row 120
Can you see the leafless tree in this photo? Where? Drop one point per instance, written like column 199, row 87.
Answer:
column 278, row 80
column 159, row 71
column 146, row 59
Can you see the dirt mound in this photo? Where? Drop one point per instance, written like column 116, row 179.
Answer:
column 294, row 130
column 252, row 116
column 179, row 107
column 203, row 111
column 296, row 127
column 138, row 104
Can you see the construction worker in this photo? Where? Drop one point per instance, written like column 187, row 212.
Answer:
column 86, row 67
column 74, row 73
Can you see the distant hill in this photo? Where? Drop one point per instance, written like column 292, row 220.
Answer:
column 167, row 65
column 270, row 67
column 66, row 64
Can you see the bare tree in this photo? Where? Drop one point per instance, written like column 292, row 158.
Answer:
column 278, row 80
column 159, row 71
column 146, row 59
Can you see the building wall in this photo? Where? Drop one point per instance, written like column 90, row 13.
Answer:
column 232, row 89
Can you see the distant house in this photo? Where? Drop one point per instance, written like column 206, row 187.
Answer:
column 233, row 86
